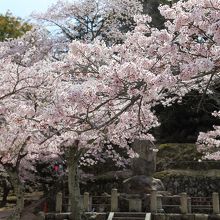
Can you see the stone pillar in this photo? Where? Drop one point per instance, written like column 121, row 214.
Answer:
column 135, row 205
column 215, row 202
column 68, row 206
column 159, row 204
column 189, row 205
column 59, row 201
column 41, row 216
column 153, row 201
column 86, row 202
column 114, row 200
column 183, row 203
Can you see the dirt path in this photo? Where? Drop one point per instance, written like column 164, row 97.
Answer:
column 5, row 214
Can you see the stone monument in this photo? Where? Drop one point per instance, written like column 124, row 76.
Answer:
column 145, row 164
column 143, row 169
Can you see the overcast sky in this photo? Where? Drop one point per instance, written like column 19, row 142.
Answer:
column 23, row 8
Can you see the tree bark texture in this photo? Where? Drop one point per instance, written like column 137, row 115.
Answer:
column 19, row 192
column 73, row 184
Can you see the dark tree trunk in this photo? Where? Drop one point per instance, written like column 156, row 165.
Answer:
column 19, row 192
column 73, row 184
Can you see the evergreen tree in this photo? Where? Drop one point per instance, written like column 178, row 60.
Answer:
column 12, row 27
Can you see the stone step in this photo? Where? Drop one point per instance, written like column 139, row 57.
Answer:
column 127, row 218
column 130, row 214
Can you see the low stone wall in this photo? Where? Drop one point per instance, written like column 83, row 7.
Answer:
column 87, row 216
column 194, row 183
column 184, row 217
column 104, row 216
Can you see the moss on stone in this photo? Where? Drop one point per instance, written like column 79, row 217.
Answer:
column 190, row 173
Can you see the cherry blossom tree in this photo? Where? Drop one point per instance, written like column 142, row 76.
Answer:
column 87, row 20
column 81, row 117
column 209, row 142
column 76, row 115
column 99, row 94
column 17, row 58
column 107, row 93
column 196, row 28
column 104, row 97
column 24, row 84
column 116, row 87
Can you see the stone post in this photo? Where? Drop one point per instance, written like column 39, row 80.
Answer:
column 135, row 205
column 59, row 201
column 153, row 201
column 215, row 202
column 68, row 206
column 183, row 203
column 189, row 205
column 86, row 202
column 114, row 200
column 159, row 204
column 41, row 216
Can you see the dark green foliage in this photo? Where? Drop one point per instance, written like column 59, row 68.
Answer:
column 177, row 155
column 182, row 156
column 151, row 8
column 182, row 122
column 12, row 27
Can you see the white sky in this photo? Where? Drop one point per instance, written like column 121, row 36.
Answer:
column 23, row 8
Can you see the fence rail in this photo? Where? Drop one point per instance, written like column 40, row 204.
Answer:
column 154, row 203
